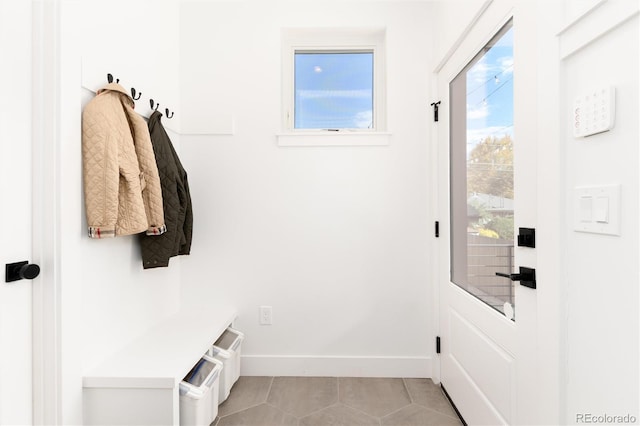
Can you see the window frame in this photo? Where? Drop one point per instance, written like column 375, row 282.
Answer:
column 333, row 40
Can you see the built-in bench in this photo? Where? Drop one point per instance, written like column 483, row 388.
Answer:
column 139, row 385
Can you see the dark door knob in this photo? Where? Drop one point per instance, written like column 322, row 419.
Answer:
column 527, row 277
column 29, row 271
column 21, row 270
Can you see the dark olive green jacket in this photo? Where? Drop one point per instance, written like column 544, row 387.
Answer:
column 176, row 200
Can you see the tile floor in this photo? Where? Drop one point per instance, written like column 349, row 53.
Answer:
column 335, row 401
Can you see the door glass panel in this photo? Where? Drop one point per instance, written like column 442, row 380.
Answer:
column 482, row 192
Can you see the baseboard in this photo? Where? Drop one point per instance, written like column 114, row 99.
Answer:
column 336, row 366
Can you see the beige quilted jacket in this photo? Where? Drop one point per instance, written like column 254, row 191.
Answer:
column 121, row 185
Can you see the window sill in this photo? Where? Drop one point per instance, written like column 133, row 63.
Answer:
column 334, row 139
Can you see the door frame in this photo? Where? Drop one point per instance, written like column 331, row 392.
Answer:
column 46, row 301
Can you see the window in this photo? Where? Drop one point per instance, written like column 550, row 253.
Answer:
column 333, row 90
column 333, row 85
column 482, row 174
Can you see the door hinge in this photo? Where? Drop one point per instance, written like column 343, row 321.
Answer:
column 437, row 344
column 437, row 229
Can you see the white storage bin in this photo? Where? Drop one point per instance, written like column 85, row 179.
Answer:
column 215, row 388
column 227, row 349
column 197, row 393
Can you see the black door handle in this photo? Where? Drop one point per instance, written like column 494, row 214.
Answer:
column 527, row 276
column 513, row 277
column 20, row 270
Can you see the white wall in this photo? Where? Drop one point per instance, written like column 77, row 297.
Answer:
column 138, row 43
column 453, row 17
column 334, row 238
column 602, row 291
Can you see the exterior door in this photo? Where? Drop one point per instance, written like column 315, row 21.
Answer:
column 16, row 211
column 487, row 321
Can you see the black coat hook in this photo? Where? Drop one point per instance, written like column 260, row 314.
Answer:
column 152, row 103
column 435, row 110
column 110, row 78
column 167, row 113
column 133, row 94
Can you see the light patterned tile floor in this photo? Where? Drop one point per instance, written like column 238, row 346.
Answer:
column 335, row 401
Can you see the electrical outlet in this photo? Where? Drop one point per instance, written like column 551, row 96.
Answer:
column 266, row 315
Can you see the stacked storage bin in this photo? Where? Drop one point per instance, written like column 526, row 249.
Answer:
column 227, row 350
column 199, row 393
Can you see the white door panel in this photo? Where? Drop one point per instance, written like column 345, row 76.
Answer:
column 15, row 212
column 477, row 370
column 493, row 323
column 490, row 368
column 488, row 359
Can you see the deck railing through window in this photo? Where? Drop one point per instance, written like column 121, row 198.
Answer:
column 486, row 257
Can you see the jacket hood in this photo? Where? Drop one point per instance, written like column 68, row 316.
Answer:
column 115, row 87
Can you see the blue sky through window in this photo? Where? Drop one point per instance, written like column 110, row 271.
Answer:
column 333, row 90
column 490, row 93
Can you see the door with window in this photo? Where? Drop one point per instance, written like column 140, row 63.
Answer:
column 487, row 281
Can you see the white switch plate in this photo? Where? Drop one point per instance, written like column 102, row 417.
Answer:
column 594, row 112
column 597, row 209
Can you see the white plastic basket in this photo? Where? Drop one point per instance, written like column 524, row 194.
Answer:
column 215, row 388
column 227, row 349
column 196, row 393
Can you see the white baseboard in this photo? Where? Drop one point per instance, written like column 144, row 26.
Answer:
column 336, row 366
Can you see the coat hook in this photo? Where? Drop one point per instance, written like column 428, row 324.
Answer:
column 167, row 113
column 109, row 78
column 435, row 110
column 133, row 94
column 151, row 102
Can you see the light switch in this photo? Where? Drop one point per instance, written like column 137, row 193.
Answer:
column 597, row 209
column 601, row 209
column 586, row 209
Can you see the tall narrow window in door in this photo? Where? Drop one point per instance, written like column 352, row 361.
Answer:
column 482, row 196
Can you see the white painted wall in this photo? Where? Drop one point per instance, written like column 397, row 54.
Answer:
column 105, row 297
column 602, row 320
column 138, row 43
column 334, row 238
column 453, row 17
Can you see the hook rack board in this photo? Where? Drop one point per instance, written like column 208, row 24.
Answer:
column 190, row 119
column 96, row 74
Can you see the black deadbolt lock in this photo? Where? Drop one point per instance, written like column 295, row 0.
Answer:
column 527, row 237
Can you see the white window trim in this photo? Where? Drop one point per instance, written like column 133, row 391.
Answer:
column 334, row 40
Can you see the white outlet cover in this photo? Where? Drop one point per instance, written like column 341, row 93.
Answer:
column 266, row 315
